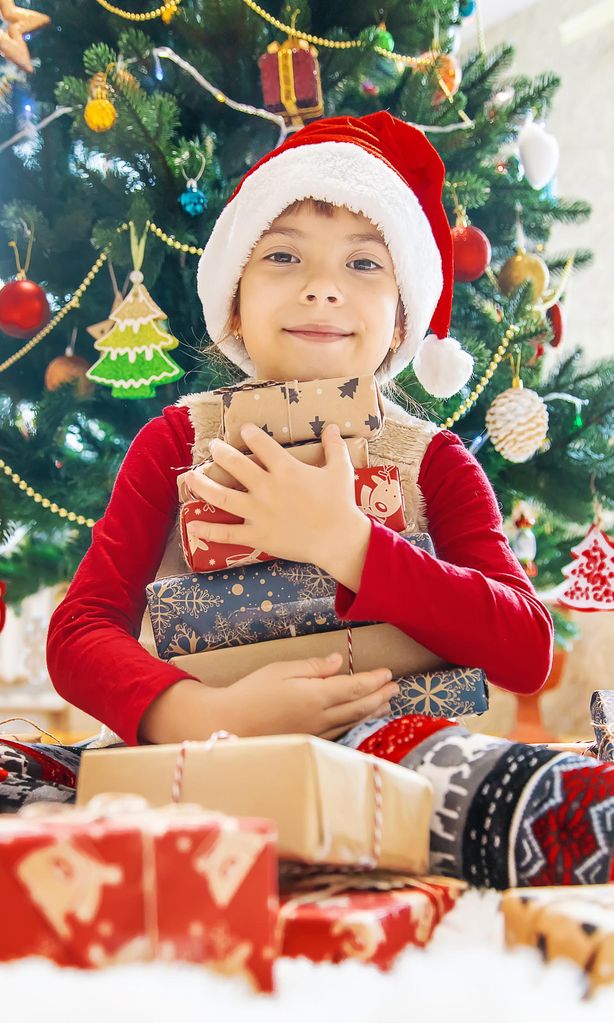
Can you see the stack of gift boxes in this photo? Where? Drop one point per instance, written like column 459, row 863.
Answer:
column 320, row 851
column 233, row 852
column 238, row 609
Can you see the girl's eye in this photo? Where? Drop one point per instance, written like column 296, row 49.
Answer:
column 364, row 259
column 272, row 255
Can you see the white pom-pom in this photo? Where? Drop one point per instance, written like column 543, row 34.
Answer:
column 442, row 366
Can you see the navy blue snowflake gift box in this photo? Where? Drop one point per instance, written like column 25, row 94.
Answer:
column 446, row 693
column 249, row 604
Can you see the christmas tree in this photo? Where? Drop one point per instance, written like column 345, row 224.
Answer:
column 147, row 118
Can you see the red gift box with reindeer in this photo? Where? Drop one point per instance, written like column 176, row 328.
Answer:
column 379, row 494
column 117, row 881
column 367, row 916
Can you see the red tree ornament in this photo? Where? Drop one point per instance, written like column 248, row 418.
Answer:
column 2, row 606
column 556, row 318
column 24, row 309
column 472, row 252
column 590, row 577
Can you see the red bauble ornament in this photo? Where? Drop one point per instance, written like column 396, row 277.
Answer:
column 24, row 309
column 556, row 319
column 472, row 252
column 2, row 607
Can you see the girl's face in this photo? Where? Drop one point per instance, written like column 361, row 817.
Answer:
column 318, row 298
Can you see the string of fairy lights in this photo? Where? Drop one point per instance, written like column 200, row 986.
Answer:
column 166, row 12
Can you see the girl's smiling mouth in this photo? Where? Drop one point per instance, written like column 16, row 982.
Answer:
column 318, row 332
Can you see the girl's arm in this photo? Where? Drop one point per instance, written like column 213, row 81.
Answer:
column 473, row 604
column 93, row 655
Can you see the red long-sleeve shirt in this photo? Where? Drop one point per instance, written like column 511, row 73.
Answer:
column 473, row 604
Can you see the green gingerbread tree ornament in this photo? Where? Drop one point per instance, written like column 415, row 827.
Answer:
column 134, row 360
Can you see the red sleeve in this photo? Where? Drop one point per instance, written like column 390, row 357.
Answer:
column 473, row 604
column 93, row 655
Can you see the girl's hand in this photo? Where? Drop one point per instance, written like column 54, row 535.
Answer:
column 305, row 696
column 293, row 511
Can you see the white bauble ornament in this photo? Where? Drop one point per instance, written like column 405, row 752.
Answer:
column 539, row 154
column 517, row 423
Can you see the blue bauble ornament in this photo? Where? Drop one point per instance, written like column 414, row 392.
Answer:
column 466, row 8
column 193, row 200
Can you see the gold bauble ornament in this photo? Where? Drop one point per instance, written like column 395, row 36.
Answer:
column 524, row 266
column 66, row 368
column 517, row 423
column 100, row 114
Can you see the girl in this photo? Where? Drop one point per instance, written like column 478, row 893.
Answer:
column 332, row 258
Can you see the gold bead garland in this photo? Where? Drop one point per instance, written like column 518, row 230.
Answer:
column 172, row 243
column 170, row 7
column 508, row 337
column 81, row 520
column 335, row 44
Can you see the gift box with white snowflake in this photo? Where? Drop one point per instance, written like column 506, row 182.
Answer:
column 445, row 693
column 263, row 601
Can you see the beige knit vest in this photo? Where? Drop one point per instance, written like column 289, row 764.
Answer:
column 402, row 442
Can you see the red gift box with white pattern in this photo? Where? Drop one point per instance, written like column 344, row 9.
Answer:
column 367, row 917
column 130, row 883
column 204, row 555
column 379, row 494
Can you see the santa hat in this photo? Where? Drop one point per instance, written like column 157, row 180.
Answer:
column 376, row 165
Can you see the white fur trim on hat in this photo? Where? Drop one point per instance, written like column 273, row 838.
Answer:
column 343, row 174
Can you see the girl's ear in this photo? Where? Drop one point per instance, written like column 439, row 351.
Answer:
column 399, row 327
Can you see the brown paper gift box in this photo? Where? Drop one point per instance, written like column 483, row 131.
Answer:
column 575, row 922
column 311, row 453
column 373, row 646
column 323, row 797
column 298, row 410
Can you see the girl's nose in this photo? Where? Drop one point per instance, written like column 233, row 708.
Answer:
column 329, row 298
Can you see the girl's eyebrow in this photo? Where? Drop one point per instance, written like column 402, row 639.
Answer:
column 361, row 236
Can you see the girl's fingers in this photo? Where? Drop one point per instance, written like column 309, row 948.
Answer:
column 351, row 713
column 347, row 689
column 234, row 501
column 266, row 448
column 245, row 470
column 221, row 532
column 334, row 733
column 311, row 667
